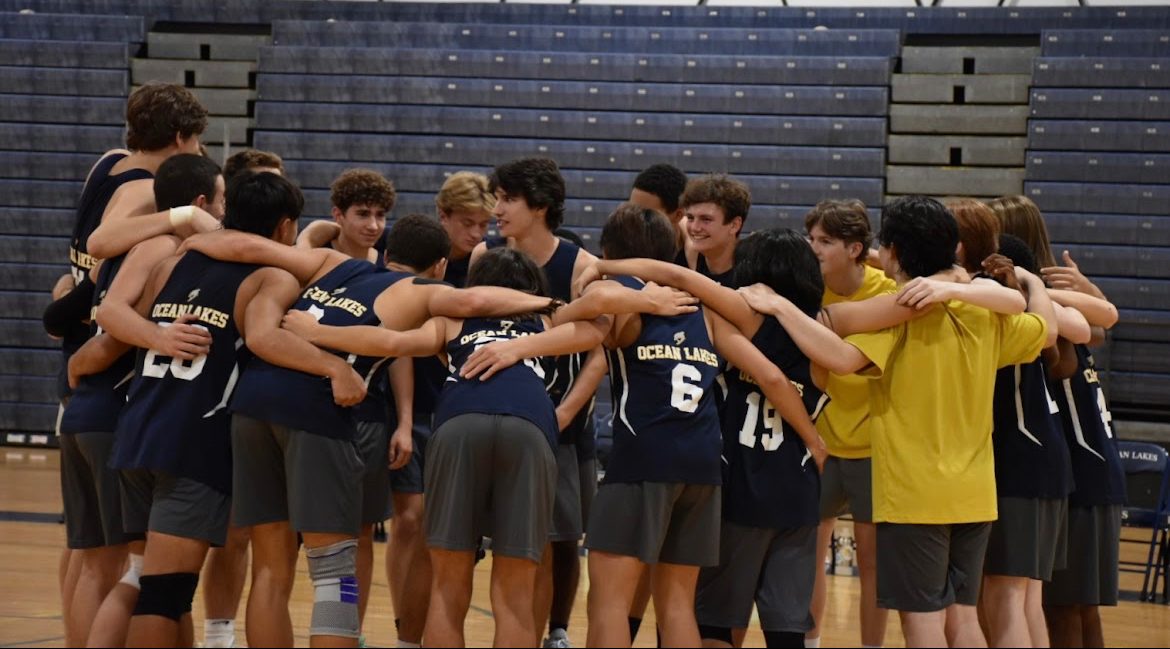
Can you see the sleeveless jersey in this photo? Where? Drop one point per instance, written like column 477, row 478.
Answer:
column 92, row 204
column 666, row 425
column 99, row 398
column 1031, row 457
column 769, row 479
column 1097, row 471
column 177, row 419
column 559, row 271
column 430, row 373
column 342, row 297
column 520, row 390
column 723, row 279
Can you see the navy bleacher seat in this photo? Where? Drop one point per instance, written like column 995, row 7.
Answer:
column 679, row 40
column 46, row 109
column 774, row 190
column 39, row 193
column 1119, row 261
column 1142, row 324
column 72, row 27
column 585, row 154
column 1143, row 390
column 1100, row 198
column 1084, row 135
column 1098, row 167
column 1136, row 293
column 26, row 416
column 1100, row 72
column 31, row 277
column 1105, row 42
column 1100, row 228
column 29, row 389
column 20, row 220
column 743, row 129
column 63, row 81
column 61, row 137
column 580, row 95
column 64, row 54
column 1137, row 356
column 29, row 334
column 45, row 166
column 1100, row 103
column 581, row 66
column 33, row 249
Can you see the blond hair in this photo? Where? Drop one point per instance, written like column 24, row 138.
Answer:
column 465, row 191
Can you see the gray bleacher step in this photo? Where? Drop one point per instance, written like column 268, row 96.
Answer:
column 949, row 88
column 957, row 181
column 965, row 119
column 206, row 74
column 955, row 60
column 223, row 101
column 221, row 47
column 973, row 150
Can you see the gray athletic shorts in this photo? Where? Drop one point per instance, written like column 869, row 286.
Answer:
column 490, row 475
column 847, row 486
column 1090, row 578
column 90, row 490
column 657, row 522
column 373, row 442
column 409, row 479
column 588, row 480
column 284, row 474
column 773, row 569
column 926, row 568
column 157, row 501
column 567, row 522
column 1028, row 539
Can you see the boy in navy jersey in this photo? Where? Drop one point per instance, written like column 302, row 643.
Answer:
column 101, row 371
column 173, row 440
column 530, row 197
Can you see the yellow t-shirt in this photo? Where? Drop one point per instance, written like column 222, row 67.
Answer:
column 931, row 395
column 844, row 423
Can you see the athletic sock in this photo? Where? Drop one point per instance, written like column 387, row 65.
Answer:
column 812, row 643
column 219, row 633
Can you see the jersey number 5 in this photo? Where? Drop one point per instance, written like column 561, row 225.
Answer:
column 684, row 394
column 180, row 369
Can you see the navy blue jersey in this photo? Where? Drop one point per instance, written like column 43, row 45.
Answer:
column 177, row 419
column 769, row 478
column 1097, row 471
column 666, row 425
column 1031, row 456
column 90, row 207
column 99, row 398
column 429, row 376
column 559, row 272
column 342, row 297
column 520, row 390
column 681, row 259
column 457, row 271
column 723, row 279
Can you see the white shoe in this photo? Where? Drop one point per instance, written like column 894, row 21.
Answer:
column 220, row 643
column 558, row 639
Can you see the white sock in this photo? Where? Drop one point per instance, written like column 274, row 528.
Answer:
column 218, row 630
column 412, row 645
column 133, row 572
column 812, row 643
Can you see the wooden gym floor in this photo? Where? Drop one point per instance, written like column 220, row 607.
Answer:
column 30, row 613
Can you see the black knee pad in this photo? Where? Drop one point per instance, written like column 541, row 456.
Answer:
column 719, row 633
column 168, row 595
column 783, row 639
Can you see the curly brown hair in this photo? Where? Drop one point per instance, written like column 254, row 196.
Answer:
column 732, row 196
column 362, row 187
column 251, row 159
column 157, row 112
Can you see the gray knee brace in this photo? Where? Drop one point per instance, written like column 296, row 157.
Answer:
column 335, row 589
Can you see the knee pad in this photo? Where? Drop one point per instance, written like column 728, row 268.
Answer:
column 719, row 633
column 335, row 589
column 133, row 572
column 166, row 595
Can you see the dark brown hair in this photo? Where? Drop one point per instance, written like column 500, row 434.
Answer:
column 157, row 112
column 846, row 220
column 732, row 196
column 632, row 231
column 362, row 187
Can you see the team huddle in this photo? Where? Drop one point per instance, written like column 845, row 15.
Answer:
column 231, row 381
